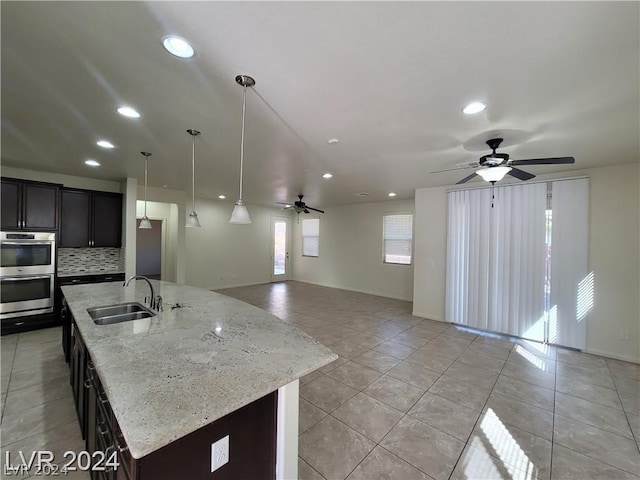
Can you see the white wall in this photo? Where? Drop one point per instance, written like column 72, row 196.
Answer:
column 351, row 251
column 614, row 257
column 430, row 240
column 220, row 254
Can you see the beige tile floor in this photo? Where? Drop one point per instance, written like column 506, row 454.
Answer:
column 408, row 398
column 38, row 412
column 413, row 398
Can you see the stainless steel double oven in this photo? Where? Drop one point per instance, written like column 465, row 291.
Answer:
column 27, row 273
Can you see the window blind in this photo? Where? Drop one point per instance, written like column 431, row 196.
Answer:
column 310, row 237
column 398, row 238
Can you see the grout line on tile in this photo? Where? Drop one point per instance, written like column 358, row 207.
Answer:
column 466, row 443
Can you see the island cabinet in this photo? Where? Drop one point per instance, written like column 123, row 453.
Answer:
column 251, row 430
column 90, row 218
column 62, row 308
column 28, row 205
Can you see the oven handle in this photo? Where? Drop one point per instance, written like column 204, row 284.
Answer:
column 28, row 242
column 27, row 277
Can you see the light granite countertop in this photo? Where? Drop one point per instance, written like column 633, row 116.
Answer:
column 169, row 375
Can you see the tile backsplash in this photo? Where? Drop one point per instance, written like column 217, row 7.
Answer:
column 95, row 259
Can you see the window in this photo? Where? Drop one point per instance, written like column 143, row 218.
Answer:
column 398, row 233
column 310, row 237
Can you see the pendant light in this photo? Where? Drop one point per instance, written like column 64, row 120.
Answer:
column 144, row 221
column 192, row 219
column 240, row 215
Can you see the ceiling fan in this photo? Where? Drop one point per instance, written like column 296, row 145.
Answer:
column 494, row 166
column 300, row 206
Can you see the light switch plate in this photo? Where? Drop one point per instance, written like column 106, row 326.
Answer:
column 219, row 453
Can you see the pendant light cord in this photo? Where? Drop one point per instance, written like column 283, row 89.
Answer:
column 193, row 175
column 146, row 159
column 244, row 106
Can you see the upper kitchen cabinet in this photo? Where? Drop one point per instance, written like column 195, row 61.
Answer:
column 90, row 219
column 29, row 205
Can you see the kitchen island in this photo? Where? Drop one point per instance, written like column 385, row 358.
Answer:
column 205, row 360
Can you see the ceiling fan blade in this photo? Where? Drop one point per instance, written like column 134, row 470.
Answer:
column 315, row 209
column 466, row 179
column 520, row 174
column 544, row 161
column 283, row 203
column 450, row 169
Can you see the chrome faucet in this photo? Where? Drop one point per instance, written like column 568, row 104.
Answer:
column 155, row 303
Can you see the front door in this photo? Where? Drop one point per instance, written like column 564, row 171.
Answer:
column 279, row 249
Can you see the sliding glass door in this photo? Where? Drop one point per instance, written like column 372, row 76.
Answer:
column 514, row 265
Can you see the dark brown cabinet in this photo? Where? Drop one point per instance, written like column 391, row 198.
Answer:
column 77, row 367
column 61, row 305
column 90, row 219
column 29, row 205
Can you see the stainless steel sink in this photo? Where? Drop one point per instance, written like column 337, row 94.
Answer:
column 122, row 312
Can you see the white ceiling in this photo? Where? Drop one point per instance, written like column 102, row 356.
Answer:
column 388, row 79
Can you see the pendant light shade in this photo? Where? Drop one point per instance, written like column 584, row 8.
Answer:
column 493, row 174
column 192, row 219
column 144, row 221
column 240, row 215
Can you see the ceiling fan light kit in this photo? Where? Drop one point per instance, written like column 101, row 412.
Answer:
column 493, row 174
column 192, row 219
column 240, row 214
column 145, row 223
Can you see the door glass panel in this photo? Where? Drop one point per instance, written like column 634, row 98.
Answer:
column 280, row 248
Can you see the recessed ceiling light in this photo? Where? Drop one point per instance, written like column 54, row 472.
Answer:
column 165, row 186
column 105, row 144
column 327, row 175
column 178, row 46
column 222, row 197
column 391, row 194
column 474, row 107
column 92, row 163
column 333, row 141
column 287, row 206
column 128, row 112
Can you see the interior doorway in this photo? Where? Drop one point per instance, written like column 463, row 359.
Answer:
column 149, row 250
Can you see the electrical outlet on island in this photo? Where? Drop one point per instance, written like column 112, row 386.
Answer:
column 219, row 453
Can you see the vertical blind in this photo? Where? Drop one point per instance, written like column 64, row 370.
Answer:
column 517, row 261
column 496, row 260
column 310, row 237
column 467, row 291
column 398, row 238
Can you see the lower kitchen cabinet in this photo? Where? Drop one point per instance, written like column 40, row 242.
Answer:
column 61, row 306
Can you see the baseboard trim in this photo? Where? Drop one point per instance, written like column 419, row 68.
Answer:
column 222, row 287
column 366, row 292
column 616, row 356
column 429, row 316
